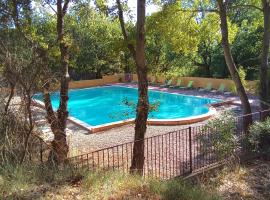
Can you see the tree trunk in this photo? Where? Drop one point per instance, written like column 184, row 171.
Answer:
column 124, row 31
column 58, row 123
column 143, row 104
column 28, row 101
column 264, row 83
column 11, row 94
column 231, row 65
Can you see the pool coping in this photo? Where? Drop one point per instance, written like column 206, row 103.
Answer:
column 162, row 122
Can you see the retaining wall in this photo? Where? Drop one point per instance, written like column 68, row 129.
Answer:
column 200, row 82
column 97, row 82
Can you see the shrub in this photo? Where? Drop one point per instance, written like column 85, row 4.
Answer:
column 259, row 138
column 219, row 134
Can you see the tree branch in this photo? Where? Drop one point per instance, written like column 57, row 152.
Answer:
column 65, row 6
column 198, row 10
column 124, row 31
column 52, row 8
column 249, row 6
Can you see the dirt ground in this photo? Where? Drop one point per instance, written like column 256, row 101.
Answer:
column 250, row 181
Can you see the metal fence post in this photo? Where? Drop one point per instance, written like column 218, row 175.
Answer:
column 190, row 150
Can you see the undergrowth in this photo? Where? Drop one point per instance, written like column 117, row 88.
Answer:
column 39, row 182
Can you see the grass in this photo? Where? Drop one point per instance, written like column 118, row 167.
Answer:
column 249, row 181
column 32, row 182
column 123, row 186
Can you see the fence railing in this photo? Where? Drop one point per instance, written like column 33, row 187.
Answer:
column 172, row 154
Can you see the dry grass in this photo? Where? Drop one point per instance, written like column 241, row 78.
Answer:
column 249, row 182
column 28, row 182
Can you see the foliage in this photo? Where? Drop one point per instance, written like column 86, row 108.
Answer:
column 242, row 75
column 178, row 43
column 247, row 46
column 29, row 181
column 170, row 44
column 209, row 40
column 259, row 137
column 131, row 109
column 119, row 186
column 97, row 45
column 218, row 136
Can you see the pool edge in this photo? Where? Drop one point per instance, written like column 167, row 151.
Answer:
column 165, row 122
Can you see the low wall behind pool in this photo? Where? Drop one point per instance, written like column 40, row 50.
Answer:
column 97, row 82
column 198, row 81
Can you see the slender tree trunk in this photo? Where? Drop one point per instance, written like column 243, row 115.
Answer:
column 11, row 94
column 143, row 103
column 59, row 144
column 231, row 65
column 59, row 122
column 124, row 31
column 264, row 83
column 28, row 101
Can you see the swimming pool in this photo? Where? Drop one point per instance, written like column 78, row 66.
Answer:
column 102, row 105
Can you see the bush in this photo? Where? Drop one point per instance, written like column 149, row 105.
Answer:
column 219, row 134
column 259, row 138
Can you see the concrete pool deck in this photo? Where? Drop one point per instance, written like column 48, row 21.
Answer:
column 82, row 141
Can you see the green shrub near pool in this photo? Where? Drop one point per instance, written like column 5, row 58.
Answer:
column 259, row 138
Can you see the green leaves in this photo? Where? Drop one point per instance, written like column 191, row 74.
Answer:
column 259, row 137
column 218, row 136
column 97, row 40
column 177, row 28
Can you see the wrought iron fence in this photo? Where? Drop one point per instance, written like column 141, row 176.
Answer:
column 169, row 155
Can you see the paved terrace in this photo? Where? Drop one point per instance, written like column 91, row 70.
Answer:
column 82, row 141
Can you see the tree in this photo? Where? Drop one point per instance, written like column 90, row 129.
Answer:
column 209, row 40
column 230, row 62
column 96, row 42
column 172, row 40
column 264, row 70
column 264, row 7
column 22, row 18
column 201, row 7
column 58, row 122
column 141, row 67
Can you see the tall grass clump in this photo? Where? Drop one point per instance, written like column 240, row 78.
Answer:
column 29, row 181
column 25, row 181
column 114, row 185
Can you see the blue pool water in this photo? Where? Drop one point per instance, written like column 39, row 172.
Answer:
column 100, row 105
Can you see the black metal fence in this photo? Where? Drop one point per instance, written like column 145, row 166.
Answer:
column 176, row 153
